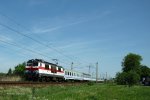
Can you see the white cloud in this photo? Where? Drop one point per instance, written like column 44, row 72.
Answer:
column 49, row 28
column 5, row 38
column 49, row 25
column 45, row 30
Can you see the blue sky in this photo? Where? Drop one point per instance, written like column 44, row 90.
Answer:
column 79, row 31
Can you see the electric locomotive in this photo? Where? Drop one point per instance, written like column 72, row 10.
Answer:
column 38, row 69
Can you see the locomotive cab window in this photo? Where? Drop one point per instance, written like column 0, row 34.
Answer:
column 32, row 63
column 29, row 64
column 35, row 63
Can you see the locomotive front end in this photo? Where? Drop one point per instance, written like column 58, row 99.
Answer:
column 32, row 71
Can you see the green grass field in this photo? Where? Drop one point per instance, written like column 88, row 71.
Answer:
column 82, row 92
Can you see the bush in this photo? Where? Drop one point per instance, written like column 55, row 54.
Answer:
column 91, row 83
column 132, row 78
column 127, row 78
column 121, row 78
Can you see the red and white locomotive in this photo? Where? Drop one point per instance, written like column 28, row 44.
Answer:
column 40, row 70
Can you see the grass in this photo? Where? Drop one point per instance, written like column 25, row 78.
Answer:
column 82, row 92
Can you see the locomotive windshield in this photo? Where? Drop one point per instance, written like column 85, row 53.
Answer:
column 32, row 63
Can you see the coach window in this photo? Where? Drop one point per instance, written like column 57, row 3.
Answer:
column 68, row 73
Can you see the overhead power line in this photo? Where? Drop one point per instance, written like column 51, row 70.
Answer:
column 35, row 52
column 13, row 50
column 37, row 41
column 13, row 44
column 58, row 51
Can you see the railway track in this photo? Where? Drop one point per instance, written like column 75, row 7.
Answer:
column 25, row 83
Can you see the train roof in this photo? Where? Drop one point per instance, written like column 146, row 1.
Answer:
column 41, row 60
column 77, row 72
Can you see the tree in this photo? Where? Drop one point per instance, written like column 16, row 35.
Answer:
column 131, row 70
column 19, row 69
column 2, row 74
column 121, row 78
column 9, row 71
column 132, row 78
column 145, row 71
column 131, row 62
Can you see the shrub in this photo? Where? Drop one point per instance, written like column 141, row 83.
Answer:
column 132, row 78
column 127, row 78
column 90, row 83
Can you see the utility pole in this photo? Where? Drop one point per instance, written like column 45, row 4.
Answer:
column 89, row 68
column 96, row 72
column 72, row 66
column 106, row 75
column 106, row 78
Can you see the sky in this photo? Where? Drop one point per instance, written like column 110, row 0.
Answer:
column 80, row 31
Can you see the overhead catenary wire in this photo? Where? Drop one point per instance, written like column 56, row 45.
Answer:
column 58, row 51
column 37, row 41
column 22, row 54
column 13, row 44
column 27, row 35
column 35, row 52
column 11, row 19
column 42, row 43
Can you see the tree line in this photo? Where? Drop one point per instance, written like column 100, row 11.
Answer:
column 132, row 70
column 19, row 70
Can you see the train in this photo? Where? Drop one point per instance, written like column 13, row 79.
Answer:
column 40, row 70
